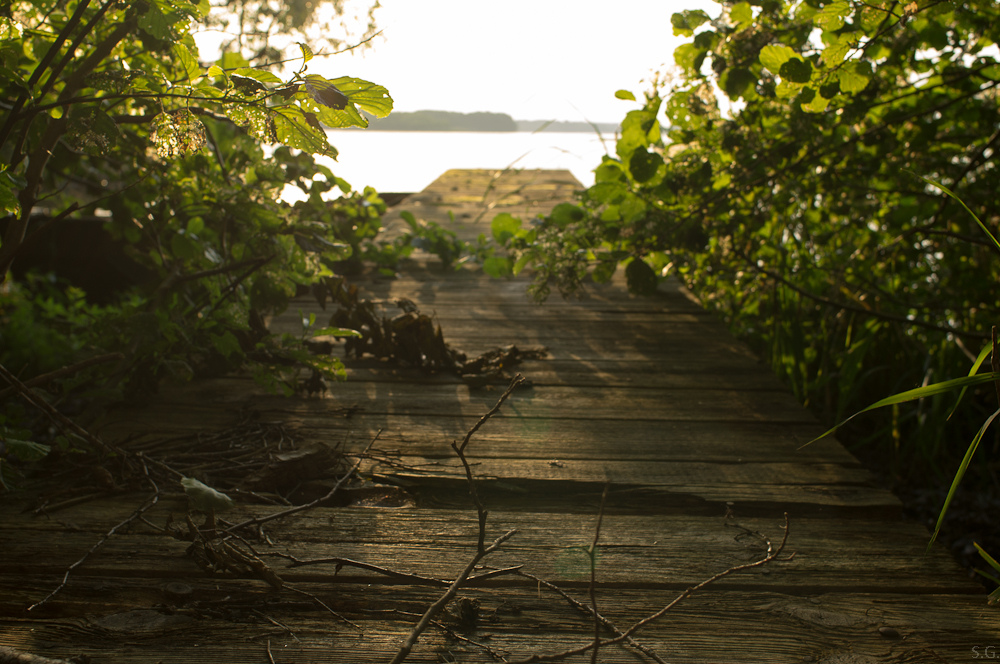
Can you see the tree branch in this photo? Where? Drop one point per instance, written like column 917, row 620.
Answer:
column 65, row 371
column 58, row 418
column 771, row 555
column 481, row 550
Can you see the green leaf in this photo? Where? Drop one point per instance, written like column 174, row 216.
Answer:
column 177, row 134
column 521, row 263
column 722, row 180
column 854, row 77
column 215, row 70
column 787, row 89
column 336, row 332
column 831, row 17
column 8, row 199
column 736, row 82
column 610, row 170
column 817, row 104
column 26, row 450
column 685, row 22
column 644, row 164
column 987, row 557
column 293, row 129
column 796, row 70
column 190, row 64
column 232, row 60
column 565, row 214
column 640, row 277
column 625, row 94
column 307, row 53
column 258, row 75
column 10, row 29
column 325, row 93
column 498, row 266
column 604, row 271
column 226, row 344
column 837, row 47
column 687, row 57
column 368, row 96
column 773, row 56
column 504, row 226
column 155, row 23
column 257, row 120
column 741, row 14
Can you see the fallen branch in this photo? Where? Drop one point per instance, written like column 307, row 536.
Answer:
column 772, row 553
column 442, row 601
column 583, row 608
column 65, row 371
column 58, row 418
column 481, row 549
column 495, row 654
column 347, row 562
column 324, row 605
column 138, row 512
column 458, row 637
column 393, row 574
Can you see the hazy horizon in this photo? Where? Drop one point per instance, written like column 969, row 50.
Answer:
column 531, row 59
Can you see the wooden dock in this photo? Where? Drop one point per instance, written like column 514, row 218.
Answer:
column 650, row 398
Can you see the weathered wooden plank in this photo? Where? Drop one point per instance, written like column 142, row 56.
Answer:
column 658, row 551
column 716, row 625
column 716, row 373
column 549, row 402
column 505, row 437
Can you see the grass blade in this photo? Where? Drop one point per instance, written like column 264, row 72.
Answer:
column 983, row 354
column 914, row 394
column 948, row 191
column 962, row 467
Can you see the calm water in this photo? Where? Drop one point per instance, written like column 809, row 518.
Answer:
column 407, row 161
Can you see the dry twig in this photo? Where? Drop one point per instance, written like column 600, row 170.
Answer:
column 58, row 418
column 347, row 562
column 324, row 605
column 481, row 549
column 65, row 371
column 138, row 512
column 586, row 610
column 772, row 553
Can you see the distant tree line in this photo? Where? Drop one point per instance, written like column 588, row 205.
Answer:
column 481, row 121
column 446, row 121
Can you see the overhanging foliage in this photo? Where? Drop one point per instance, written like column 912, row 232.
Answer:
column 786, row 191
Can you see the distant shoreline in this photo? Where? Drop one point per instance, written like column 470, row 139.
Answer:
column 482, row 122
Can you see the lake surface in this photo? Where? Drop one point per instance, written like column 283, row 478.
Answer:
column 408, row 161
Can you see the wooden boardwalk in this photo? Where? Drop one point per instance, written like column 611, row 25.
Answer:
column 697, row 443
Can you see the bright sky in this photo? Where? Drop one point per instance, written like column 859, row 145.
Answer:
column 531, row 59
